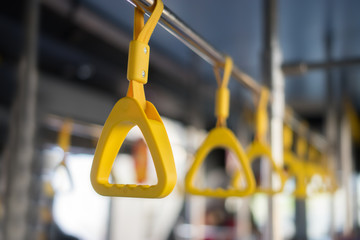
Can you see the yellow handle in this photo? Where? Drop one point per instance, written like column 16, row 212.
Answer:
column 64, row 137
column 317, row 165
column 314, row 168
column 295, row 167
column 64, row 141
column 260, row 148
column 354, row 120
column 126, row 114
column 301, row 144
column 314, row 155
column 131, row 111
column 301, row 148
column 262, row 119
column 221, row 136
column 288, row 138
column 222, row 102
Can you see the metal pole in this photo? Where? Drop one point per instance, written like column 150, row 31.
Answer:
column 190, row 38
column 346, row 158
column 273, row 78
column 331, row 121
column 304, row 67
column 331, row 124
column 347, row 174
column 300, row 219
column 19, row 154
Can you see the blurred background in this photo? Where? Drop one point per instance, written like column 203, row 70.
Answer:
column 63, row 67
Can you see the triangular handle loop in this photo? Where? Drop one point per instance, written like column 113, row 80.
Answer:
column 224, row 138
column 64, row 137
column 295, row 167
column 126, row 114
column 132, row 111
column 64, row 142
column 259, row 147
column 220, row 136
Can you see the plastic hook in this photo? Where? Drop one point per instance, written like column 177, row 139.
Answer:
column 260, row 148
column 222, row 137
column 134, row 110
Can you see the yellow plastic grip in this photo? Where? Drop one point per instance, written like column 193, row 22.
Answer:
column 131, row 111
column 295, row 167
column 127, row 113
column 64, row 137
column 288, row 137
column 314, row 155
column 313, row 167
column 262, row 115
column 138, row 62
column 301, row 147
column 220, row 137
column 64, row 141
column 259, row 149
column 222, row 103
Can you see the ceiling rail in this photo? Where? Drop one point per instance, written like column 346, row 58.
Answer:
column 196, row 43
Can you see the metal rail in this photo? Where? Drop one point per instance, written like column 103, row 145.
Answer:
column 196, row 43
column 304, row 67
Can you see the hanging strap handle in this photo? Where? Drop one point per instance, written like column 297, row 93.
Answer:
column 302, row 145
column 64, row 142
column 65, row 135
column 139, row 51
column 262, row 123
column 143, row 33
column 222, row 104
column 287, row 138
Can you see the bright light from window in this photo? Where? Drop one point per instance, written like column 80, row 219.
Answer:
column 81, row 212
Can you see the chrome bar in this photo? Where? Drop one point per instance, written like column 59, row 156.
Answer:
column 196, row 43
column 303, row 67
